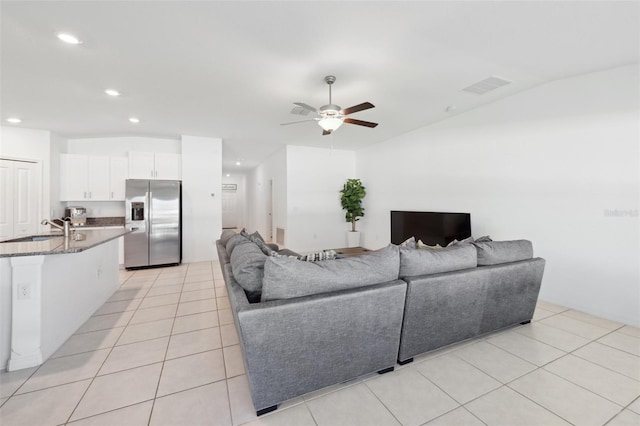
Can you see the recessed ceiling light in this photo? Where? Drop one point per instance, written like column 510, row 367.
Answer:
column 112, row 92
column 14, row 120
column 68, row 38
column 228, row 175
column 238, row 163
column 134, row 120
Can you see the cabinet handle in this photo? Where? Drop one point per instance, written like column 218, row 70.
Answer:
column 85, row 194
column 111, row 194
column 151, row 173
column 89, row 194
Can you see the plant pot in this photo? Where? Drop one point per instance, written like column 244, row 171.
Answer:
column 353, row 239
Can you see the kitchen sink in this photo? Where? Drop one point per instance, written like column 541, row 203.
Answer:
column 31, row 238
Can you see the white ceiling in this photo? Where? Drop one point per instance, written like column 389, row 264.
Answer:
column 233, row 69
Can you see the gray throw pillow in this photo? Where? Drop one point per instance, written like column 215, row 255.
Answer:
column 226, row 236
column 247, row 265
column 465, row 241
column 484, row 239
column 285, row 277
column 496, row 252
column 409, row 243
column 234, row 241
column 434, row 261
column 256, row 238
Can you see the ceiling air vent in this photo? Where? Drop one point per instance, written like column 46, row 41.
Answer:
column 486, row 85
column 299, row 111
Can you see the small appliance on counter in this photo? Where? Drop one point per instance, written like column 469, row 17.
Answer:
column 77, row 215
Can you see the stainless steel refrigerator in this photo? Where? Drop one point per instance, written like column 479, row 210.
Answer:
column 153, row 213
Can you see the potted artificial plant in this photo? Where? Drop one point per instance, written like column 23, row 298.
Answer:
column 353, row 193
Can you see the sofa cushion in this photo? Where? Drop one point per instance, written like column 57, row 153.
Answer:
column 286, row 277
column 247, row 265
column 226, row 236
column 234, row 241
column 434, row 261
column 495, row 252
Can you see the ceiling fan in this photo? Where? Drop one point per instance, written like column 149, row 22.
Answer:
column 331, row 116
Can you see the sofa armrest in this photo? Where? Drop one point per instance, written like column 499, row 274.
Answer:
column 298, row 345
column 223, row 257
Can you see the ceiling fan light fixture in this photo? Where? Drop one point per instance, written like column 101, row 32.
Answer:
column 330, row 124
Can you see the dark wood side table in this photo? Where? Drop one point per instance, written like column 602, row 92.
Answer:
column 351, row 251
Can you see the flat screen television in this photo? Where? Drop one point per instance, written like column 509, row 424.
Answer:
column 430, row 227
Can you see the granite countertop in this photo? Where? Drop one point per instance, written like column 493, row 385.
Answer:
column 79, row 240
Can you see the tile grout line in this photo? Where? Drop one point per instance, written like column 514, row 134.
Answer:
column 96, row 375
column 166, row 351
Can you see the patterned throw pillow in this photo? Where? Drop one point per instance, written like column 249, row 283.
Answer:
column 422, row 245
column 485, row 239
column 311, row 257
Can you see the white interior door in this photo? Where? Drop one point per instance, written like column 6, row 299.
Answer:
column 19, row 195
column 6, row 196
column 230, row 211
column 26, row 199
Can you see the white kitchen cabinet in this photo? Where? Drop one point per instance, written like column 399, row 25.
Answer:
column 158, row 165
column 19, row 195
column 119, row 175
column 92, row 177
column 98, row 179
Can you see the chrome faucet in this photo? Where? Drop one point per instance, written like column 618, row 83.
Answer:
column 65, row 228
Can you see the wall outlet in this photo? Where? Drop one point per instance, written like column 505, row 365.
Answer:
column 24, row 291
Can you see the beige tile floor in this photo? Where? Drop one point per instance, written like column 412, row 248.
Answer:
column 164, row 351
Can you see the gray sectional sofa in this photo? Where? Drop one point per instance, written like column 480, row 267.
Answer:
column 303, row 326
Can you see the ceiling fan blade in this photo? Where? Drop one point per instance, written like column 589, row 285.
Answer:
column 356, row 108
column 326, row 132
column 296, row 122
column 305, row 106
column 360, row 122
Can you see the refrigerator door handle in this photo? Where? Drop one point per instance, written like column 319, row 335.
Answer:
column 150, row 213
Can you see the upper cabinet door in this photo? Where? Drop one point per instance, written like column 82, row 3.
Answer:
column 74, row 177
column 99, row 178
column 141, row 165
column 168, row 166
column 119, row 174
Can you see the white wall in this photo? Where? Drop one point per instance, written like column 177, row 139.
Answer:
column 315, row 218
column 29, row 144
column 272, row 170
column 201, row 197
column 546, row 165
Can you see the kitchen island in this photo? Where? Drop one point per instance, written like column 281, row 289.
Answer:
column 49, row 287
